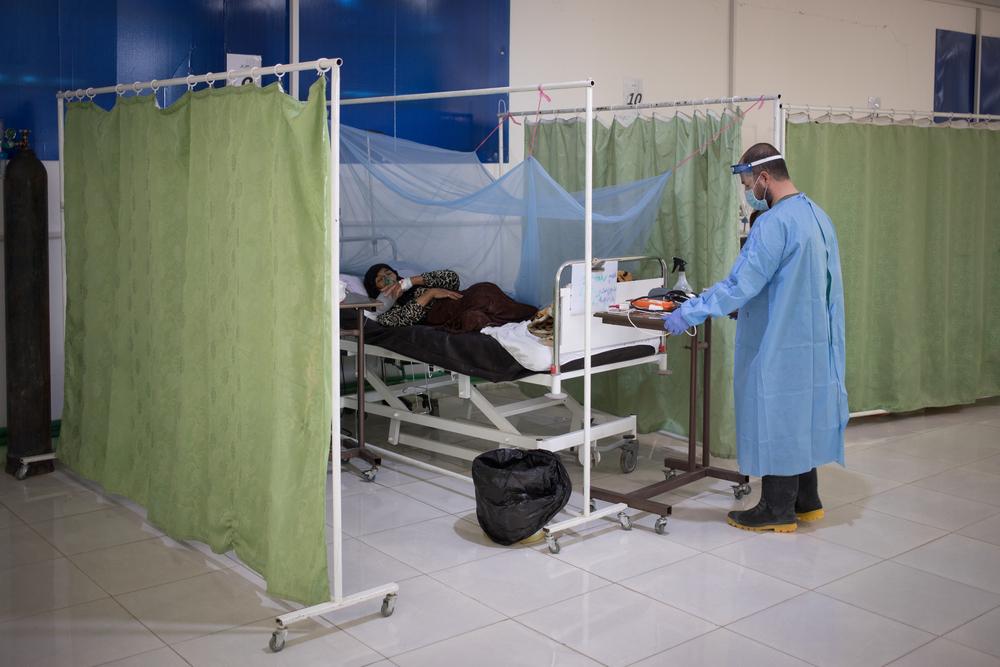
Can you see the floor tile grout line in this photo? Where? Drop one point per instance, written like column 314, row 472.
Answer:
column 606, row 582
column 750, row 639
column 553, row 639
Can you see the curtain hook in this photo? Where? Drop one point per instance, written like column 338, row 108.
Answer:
column 90, row 94
column 253, row 74
column 322, row 67
column 279, row 73
column 135, row 87
column 190, row 83
column 119, row 89
column 154, row 86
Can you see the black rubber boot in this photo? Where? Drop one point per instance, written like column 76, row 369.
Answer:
column 776, row 509
column 807, row 505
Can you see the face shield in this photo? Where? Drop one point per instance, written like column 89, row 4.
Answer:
column 743, row 171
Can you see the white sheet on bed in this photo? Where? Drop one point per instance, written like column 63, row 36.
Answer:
column 529, row 350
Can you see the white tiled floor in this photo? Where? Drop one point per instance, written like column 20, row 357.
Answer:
column 904, row 570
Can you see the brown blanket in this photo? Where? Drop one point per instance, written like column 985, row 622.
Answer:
column 482, row 305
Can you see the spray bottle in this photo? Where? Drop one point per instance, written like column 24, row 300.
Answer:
column 682, row 284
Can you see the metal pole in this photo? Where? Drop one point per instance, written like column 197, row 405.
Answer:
column 293, row 43
column 777, row 125
column 500, row 154
column 979, row 60
column 714, row 101
column 60, row 124
column 588, row 287
column 706, row 394
column 335, row 501
column 693, row 403
column 210, row 77
column 472, row 92
column 887, row 113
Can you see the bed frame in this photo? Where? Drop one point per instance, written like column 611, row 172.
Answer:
column 616, row 433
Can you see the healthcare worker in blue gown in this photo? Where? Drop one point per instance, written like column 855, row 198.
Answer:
column 791, row 401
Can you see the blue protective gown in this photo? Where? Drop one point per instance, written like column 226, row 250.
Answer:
column 791, row 401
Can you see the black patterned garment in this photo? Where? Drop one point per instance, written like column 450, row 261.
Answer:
column 411, row 312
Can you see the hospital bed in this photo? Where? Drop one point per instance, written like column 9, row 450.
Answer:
column 466, row 356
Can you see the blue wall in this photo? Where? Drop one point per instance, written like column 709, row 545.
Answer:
column 388, row 46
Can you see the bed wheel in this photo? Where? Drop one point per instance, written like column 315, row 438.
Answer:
column 595, row 456
column 369, row 474
column 661, row 525
column 625, row 521
column 553, row 543
column 670, row 474
column 629, row 459
column 22, row 472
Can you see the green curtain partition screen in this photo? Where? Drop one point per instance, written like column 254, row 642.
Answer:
column 697, row 221
column 917, row 212
column 197, row 328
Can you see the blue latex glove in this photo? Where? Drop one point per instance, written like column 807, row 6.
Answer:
column 675, row 323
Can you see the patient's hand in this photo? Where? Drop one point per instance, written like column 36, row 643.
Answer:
column 436, row 293
column 441, row 293
column 394, row 290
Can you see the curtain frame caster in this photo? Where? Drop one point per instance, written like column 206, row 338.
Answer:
column 277, row 642
column 741, row 491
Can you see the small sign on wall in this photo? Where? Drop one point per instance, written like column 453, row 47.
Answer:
column 241, row 63
column 632, row 91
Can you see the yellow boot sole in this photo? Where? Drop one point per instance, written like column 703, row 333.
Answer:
column 777, row 528
column 815, row 515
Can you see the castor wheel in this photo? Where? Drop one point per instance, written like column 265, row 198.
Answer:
column 277, row 640
column 593, row 505
column 553, row 543
column 22, row 472
column 741, row 491
column 670, row 473
column 388, row 604
column 629, row 460
column 660, row 526
column 369, row 474
column 625, row 521
column 595, row 457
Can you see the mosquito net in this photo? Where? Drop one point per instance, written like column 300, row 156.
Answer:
column 419, row 208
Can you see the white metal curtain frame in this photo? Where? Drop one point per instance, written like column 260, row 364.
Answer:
column 322, row 65
column 774, row 98
column 587, row 85
column 863, row 114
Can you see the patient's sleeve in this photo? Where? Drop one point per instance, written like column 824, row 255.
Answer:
column 408, row 314
column 444, row 279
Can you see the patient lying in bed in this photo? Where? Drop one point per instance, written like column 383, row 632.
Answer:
column 434, row 298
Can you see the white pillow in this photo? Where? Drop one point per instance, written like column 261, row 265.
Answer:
column 354, row 284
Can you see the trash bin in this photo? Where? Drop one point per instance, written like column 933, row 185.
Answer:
column 518, row 492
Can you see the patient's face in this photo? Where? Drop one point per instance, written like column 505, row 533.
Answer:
column 384, row 278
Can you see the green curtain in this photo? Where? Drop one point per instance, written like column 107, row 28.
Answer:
column 197, row 337
column 697, row 221
column 916, row 212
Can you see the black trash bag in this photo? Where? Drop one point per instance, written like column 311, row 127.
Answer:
column 518, row 491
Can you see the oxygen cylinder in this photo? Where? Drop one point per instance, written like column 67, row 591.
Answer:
column 26, row 277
